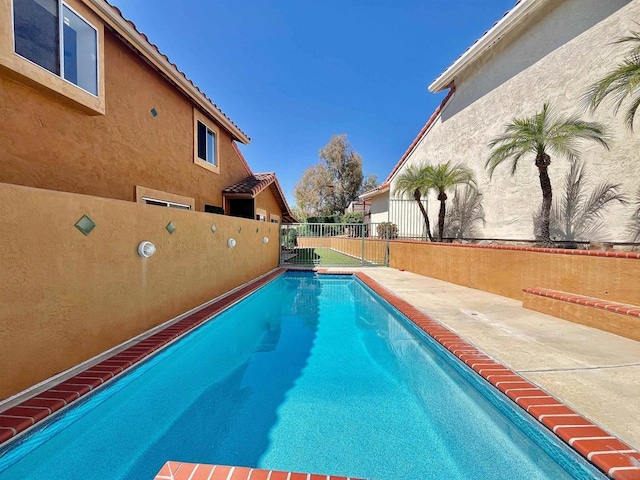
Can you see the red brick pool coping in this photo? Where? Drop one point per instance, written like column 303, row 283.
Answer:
column 193, row 471
column 27, row 414
column 614, row 307
column 614, row 457
column 617, row 459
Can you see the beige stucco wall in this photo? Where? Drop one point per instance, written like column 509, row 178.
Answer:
column 66, row 297
column 507, row 272
column 554, row 57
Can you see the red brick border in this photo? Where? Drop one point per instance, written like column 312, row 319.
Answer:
column 192, row 471
column 614, row 307
column 19, row 418
column 614, row 457
column 561, row 251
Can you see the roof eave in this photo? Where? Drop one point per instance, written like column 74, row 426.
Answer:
column 118, row 23
column 374, row 193
column 507, row 23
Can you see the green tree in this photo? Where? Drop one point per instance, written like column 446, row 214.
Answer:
column 621, row 83
column 539, row 134
column 578, row 215
column 413, row 181
column 313, row 191
column 465, row 213
column 442, row 177
column 330, row 186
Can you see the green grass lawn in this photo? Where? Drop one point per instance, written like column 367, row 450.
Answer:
column 322, row 257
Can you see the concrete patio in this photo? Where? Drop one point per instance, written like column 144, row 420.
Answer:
column 593, row 372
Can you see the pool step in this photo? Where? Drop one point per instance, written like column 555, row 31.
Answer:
column 193, row 471
column 618, row 318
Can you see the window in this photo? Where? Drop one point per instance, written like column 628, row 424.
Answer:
column 206, row 142
column 274, row 218
column 51, row 35
column 261, row 215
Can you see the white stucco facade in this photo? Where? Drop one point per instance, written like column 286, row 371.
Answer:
column 553, row 55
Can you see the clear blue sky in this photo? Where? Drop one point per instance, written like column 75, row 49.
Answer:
column 291, row 73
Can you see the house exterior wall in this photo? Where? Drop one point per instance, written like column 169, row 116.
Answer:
column 378, row 208
column 561, row 50
column 266, row 201
column 51, row 144
column 66, row 297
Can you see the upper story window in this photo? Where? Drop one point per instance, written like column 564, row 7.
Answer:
column 51, row 35
column 206, row 142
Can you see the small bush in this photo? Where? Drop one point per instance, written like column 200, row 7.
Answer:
column 387, row 230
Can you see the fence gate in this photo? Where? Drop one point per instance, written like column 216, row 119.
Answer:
column 334, row 244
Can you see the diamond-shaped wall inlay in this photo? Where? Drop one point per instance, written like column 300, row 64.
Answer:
column 171, row 227
column 85, row 224
column 239, row 229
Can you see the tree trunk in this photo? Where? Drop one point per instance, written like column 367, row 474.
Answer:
column 443, row 198
column 416, row 196
column 542, row 162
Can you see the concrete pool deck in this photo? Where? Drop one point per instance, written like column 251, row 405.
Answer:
column 594, row 372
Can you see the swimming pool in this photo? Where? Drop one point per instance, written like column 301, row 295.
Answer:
column 310, row 374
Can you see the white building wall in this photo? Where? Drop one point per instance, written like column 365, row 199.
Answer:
column 554, row 57
column 379, row 208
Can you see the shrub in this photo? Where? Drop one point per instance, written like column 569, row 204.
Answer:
column 387, row 230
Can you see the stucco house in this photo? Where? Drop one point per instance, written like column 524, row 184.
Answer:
column 88, row 105
column 540, row 51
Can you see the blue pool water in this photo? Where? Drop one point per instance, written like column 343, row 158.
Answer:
column 311, row 374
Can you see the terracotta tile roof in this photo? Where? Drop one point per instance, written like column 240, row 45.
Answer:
column 173, row 65
column 251, row 185
column 424, row 130
column 256, row 183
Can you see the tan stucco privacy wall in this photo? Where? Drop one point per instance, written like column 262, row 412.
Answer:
column 66, row 297
column 507, row 272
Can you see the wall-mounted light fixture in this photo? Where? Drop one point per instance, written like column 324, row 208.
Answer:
column 265, row 240
column 231, row 242
column 146, row 249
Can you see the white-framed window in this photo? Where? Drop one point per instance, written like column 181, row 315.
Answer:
column 207, row 144
column 55, row 37
column 165, row 203
column 274, row 218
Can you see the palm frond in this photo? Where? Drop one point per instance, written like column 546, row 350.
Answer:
column 621, row 83
column 465, row 213
column 633, row 228
column 576, row 215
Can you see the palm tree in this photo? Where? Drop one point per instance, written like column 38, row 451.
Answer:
column 578, row 216
column 539, row 134
column 465, row 213
column 442, row 177
column 413, row 182
column 620, row 83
